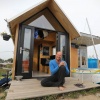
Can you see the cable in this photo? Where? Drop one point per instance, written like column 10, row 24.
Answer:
column 92, row 39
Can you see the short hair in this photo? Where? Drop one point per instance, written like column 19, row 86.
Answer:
column 59, row 52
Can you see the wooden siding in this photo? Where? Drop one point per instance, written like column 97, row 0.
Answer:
column 53, row 21
column 70, row 51
column 27, row 14
column 74, row 58
column 62, row 18
column 15, row 52
column 49, row 41
column 56, row 11
column 49, row 16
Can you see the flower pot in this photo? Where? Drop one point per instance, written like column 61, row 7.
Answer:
column 6, row 37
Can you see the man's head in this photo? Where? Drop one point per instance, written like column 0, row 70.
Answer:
column 58, row 55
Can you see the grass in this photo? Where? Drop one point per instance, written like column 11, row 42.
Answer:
column 73, row 95
column 2, row 89
column 2, row 93
column 2, row 71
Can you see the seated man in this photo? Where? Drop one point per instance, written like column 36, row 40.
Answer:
column 59, row 70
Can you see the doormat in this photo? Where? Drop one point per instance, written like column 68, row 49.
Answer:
column 80, row 85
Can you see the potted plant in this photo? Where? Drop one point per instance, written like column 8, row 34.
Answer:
column 5, row 36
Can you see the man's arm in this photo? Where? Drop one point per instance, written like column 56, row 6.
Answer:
column 63, row 63
column 53, row 67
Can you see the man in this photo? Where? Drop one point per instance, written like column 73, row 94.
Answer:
column 59, row 70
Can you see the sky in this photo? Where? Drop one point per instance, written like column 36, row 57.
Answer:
column 76, row 10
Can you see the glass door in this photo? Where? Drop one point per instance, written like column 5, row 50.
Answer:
column 63, row 45
column 25, row 54
column 83, row 56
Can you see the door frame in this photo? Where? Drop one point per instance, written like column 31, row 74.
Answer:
column 67, row 47
column 18, row 70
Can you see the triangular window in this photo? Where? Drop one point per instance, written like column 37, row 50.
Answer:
column 42, row 22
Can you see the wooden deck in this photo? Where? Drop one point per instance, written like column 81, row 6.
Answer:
column 31, row 88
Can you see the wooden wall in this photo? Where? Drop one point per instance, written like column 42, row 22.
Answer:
column 35, row 55
column 15, row 50
column 74, row 58
column 49, row 41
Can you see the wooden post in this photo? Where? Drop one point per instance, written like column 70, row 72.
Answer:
column 15, row 50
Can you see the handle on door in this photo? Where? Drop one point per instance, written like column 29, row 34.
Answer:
column 25, row 49
column 21, row 50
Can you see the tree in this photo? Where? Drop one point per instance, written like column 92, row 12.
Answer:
column 9, row 60
column 1, row 60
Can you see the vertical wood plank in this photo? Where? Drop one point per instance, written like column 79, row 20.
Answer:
column 15, row 51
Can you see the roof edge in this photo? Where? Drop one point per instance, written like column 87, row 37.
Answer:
column 67, row 17
column 35, row 5
column 85, row 34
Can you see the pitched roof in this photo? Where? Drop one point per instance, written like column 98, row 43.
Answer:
column 56, row 11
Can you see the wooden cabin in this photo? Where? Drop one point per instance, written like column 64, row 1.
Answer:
column 38, row 33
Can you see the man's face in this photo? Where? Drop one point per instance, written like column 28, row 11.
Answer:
column 58, row 56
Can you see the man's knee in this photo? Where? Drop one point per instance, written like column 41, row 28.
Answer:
column 62, row 68
column 43, row 82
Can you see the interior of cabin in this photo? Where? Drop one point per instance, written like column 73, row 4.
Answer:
column 44, row 51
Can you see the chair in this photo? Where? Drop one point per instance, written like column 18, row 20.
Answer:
column 4, row 81
column 43, row 61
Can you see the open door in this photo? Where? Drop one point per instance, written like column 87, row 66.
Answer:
column 25, row 52
column 83, row 57
column 63, row 45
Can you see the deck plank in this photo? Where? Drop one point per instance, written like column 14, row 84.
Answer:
column 31, row 88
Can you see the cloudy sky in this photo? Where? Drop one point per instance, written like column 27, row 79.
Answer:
column 76, row 10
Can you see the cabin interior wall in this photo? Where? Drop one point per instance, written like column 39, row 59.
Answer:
column 48, row 41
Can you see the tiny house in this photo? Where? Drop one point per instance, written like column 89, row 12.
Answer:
column 38, row 33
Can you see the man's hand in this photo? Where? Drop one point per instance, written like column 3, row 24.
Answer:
column 62, row 63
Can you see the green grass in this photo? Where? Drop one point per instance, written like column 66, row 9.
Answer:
column 2, row 71
column 2, row 89
column 73, row 95
column 2, row 94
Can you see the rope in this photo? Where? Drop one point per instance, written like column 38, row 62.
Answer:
column 92, row 40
